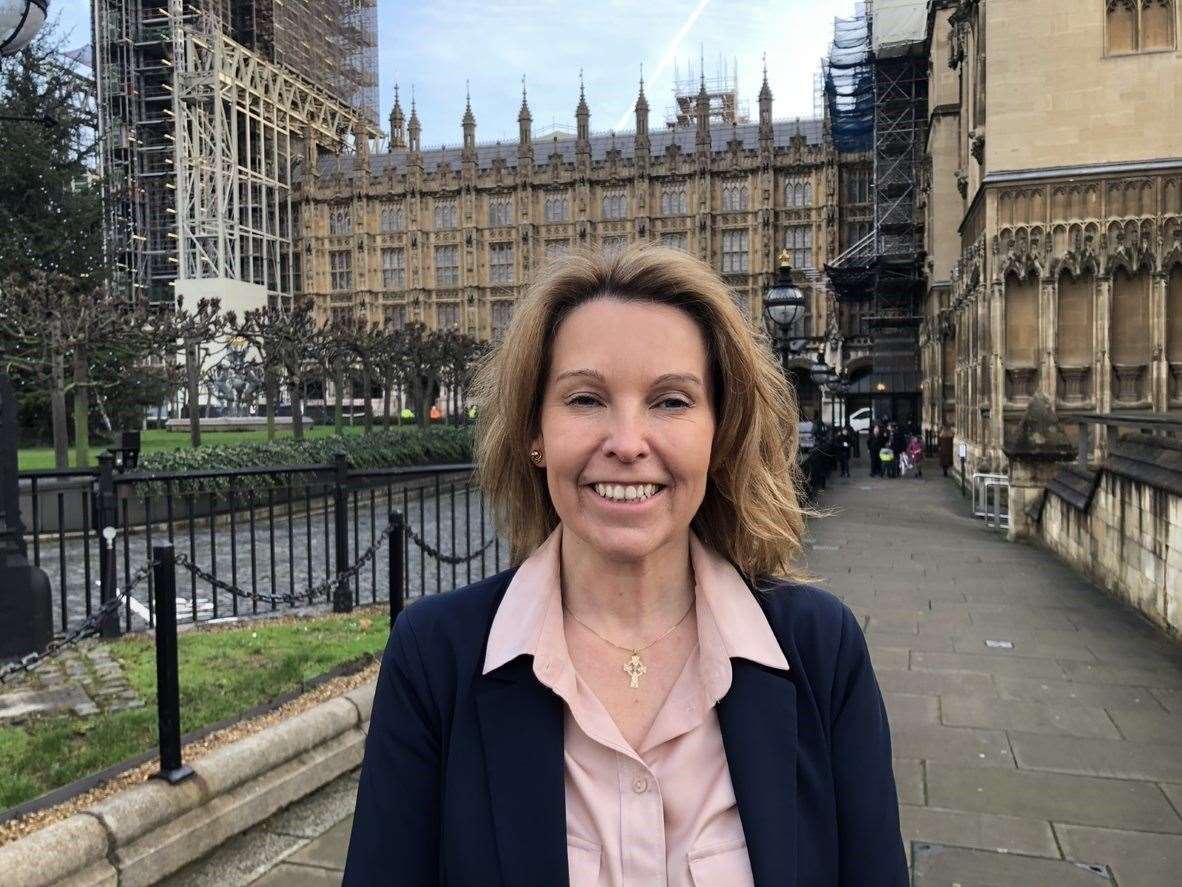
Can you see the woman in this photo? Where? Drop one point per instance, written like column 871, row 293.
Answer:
column 638, row 700
column 915, row 454
column 873, row 445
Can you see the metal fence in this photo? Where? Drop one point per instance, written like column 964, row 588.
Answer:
column 253, row 540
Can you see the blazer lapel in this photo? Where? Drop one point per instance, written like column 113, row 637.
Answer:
column 521, row 724
column 757, row 718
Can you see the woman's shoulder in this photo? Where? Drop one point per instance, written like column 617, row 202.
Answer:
column 458, row 615
column 811, row 620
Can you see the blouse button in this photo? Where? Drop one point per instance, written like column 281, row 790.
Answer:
column 640, row 786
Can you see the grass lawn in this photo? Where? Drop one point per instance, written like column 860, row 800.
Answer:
column 39, row 458
column 224, row 671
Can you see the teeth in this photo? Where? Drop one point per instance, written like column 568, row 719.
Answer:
column 629, row 493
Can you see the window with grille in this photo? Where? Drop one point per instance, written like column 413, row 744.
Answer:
column 447, row 316
column 1139, row 25
column 614, row 245
column 500, row 211
column 394, row 268
column 615, row 205
column 394, row 316
column 557, row 248
column 798, row 193
column 393, row 217
column 734, row 252
column 340, row 220
column 734, row 197
column 674, row 201
column 675, row 240
column 501, row 314
column 798, row 240
column 340, row 263
column 500, row 263
column 445, row 214
column 556, row 208
column 447, row 266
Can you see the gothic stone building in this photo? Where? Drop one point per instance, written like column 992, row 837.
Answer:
column 451, row 236
column 1054, row 212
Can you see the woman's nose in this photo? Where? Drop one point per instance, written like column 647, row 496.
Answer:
column 627, row 436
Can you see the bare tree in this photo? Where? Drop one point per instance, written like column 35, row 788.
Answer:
column 420, row 356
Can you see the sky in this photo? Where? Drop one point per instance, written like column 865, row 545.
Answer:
column 438, row 46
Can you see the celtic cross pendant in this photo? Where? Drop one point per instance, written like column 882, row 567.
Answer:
column 635, row 668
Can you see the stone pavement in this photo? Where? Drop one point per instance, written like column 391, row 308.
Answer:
column 83, row 680
column 1037, row 724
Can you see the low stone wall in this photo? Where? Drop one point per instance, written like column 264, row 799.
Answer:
column 152, row 830
column 1127, row 537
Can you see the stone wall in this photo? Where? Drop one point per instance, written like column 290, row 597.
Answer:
column 1128, row 537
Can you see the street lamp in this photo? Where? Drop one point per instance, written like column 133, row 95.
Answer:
column 784, row 306
column 20, row 20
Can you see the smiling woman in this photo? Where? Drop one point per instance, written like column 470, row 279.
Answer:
column 649, row 695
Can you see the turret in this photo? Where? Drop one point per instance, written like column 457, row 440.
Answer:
column 583, row 117
column 414, row 128
column 469, row 124
column 642, row 140
column 397, row 123
column 524, row 119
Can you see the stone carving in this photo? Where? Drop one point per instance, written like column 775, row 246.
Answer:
column 236, row 381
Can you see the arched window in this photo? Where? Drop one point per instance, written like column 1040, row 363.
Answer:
column 798, row 194
column 1121, row 26
column 500, row 211
column 614, row 205
column 1157, row 24
column 556, row 208
column 393, row 218
column 445, row 214
column 1021, row 307
column 340, row 220
column 674, row 201
column 1129, row 334
column 734, row 197
column 1074, row 336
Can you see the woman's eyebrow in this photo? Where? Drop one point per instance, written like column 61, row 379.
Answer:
column 597, row 376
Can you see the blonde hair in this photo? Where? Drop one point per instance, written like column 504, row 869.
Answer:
column 751, row 512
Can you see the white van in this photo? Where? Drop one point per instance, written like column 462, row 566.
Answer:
column 860, row 420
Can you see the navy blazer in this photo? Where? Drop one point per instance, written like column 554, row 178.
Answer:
column 462, row 782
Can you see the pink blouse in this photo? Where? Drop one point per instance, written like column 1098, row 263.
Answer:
column 663, row 813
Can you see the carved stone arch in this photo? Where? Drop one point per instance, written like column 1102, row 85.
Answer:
column 1172, row 196
column 1061, row 203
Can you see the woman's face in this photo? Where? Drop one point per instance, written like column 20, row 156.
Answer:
column 626, row 403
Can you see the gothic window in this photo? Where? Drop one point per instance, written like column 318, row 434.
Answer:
column 1157, row 24
column 675, row 240
column 340, row 220
column 615, row 205
column 445, row 214
column 500, row 263
column 798, row 193
column 557, row 248
column 857, row 186
column 394, row 316
column 1121, row 26
column 501, row 314
column 500, row 211
column 556, row 208
column 735, row 197
column 447, row 266
column 1073, row 340
column 393, row 218
column 1021, row 308
column 394, row 268
column 613, row 246
column 798, row 240
column 734, row 252
column 854, row 231
column 340, row 263
column 674, row 201
column 447, row 316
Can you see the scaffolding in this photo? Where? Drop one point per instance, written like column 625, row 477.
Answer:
column 722, row 91
column 205, row 107
column 876, row 94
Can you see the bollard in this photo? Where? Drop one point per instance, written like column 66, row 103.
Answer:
column 342, row 597
column 168, row 690
column 397, row 592
column 107, row 516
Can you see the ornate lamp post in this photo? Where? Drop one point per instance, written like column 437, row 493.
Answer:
column 20, row 20
column 783, row 309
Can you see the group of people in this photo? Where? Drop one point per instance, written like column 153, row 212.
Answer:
column 895, row 451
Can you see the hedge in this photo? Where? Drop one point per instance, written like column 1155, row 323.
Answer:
column 389, row 448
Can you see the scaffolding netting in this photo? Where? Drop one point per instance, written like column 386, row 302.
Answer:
column 849, row 83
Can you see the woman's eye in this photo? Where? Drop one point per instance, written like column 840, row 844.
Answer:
column 677, row 402
column 580, row 400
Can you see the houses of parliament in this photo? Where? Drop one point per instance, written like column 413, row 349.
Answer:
column 451, row 236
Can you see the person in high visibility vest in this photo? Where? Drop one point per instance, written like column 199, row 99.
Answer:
column 436, row 413
column 407, row 413
column 471, row 412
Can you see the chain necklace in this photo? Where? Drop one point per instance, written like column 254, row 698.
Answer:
column 634, row 667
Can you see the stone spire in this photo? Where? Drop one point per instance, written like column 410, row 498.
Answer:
column 524, row 119
column 765, row 112
column 583, row 114
column 702, row 112
column 642, row 140
column 469, row 124
column 414, row 128
column 397, row 123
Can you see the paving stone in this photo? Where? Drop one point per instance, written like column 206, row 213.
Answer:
column 1115, row 674
column 958, row 745
column 25, row 703
column 1082, row 800
column 329, row 850
column 288, row 875
column 1013, row 666
column 906, row 708
column 909, row 781
column 1055, row 691
column 888, row 657
column 938, row 866
column 1150, row 726
column 1119, row 759
column 930, row 643
column 1022, row 647
column 1171, row 699
column 1174, row 793
column 1137, row 859
column 1030, row 717
column 982, row 831
column 934, row 683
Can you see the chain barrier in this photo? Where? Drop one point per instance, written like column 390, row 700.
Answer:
column 88, row 629
column 439, row 555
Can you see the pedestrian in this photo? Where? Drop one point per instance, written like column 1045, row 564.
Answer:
column 898, row 445
column 946, row 439
column 506, row 711
column 845, row 446
column 915, row 454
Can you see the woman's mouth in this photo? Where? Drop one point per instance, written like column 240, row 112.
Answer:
column 626, row 495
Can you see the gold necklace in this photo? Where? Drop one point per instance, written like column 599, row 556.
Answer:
column 634, row 667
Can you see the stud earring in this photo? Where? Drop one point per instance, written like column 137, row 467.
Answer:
column 536, row 457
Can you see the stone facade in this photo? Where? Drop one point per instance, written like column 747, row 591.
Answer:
column 452, row 236
column 1067, row 275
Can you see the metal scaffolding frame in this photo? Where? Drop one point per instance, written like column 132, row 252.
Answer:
column 199, row 137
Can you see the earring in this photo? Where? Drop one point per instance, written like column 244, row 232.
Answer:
column 536, row 457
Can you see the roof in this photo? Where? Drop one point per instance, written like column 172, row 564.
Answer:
column 747, row 133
